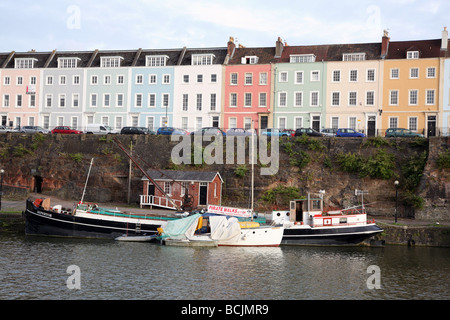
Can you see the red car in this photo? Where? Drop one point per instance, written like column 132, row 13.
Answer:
column 65, row 129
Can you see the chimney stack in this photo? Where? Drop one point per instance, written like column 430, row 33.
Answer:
column 231, row 46
column 385, row 44
column 278, row 48
column 444, row 44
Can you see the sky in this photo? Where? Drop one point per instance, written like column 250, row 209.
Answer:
column 81, row 25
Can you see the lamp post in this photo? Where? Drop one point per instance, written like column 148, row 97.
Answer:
column 1, row 186
column 396, row 199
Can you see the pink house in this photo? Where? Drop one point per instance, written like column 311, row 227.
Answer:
column 248, row 91
column 19, row 89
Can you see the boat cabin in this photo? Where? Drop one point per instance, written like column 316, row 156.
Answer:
column 201, row 187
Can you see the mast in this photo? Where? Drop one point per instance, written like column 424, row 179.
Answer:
column 87, row 178
column 253, row 168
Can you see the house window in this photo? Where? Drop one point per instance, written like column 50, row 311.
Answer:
column 119, row 100
column 75, row 100
column 249, row 60
column 353, row 57
column 282, row 99
column 185, row 102
column 263, row 99
column 414, row 73
column 335, row 99
column 283, row 76
column 67, row 62
column 371, row 75
column 106, row 100
column 352, row 123
column 430, row 97
column 107, row 80
column 76, row 80
column 393, row 122
column 232, row 123
column 186, row 78
column 302, row 58
column 282, row 123
column 431, row 72
column 166, row 79
column 139, row 79
column 62, row 100
column 156, row 61
column 6, row 81
column 352, row 98
column 234, row 79
column 247, row 123
column 94, row 79
column 93, row 100
column 298, row 99
column 412, row 123
column 299, row 77
column 152, row 79
column 336, row 76
column 138, row 100
column 184, row 123
column 165, row 100
column 413, row 97
column 168, row 188
column 334, row 122
column 233, row 99
column 199, row 102
column 151, row 100
column 298, row 122
column 48, row 100
column 315, row 75
column 202, row 59
column 120, row 79
column 412, row 55
column 184, row 187
column 353, row 76
column 199, row 78
column 248, row 79
column 248, row 99
column 213, row 78
column 370, row 98
column 393, row 98
column 213, row 100
column 32, row 101
column 395, row 73
column 314, row 99
column 263, row 78
column 24, row 63
column 110, row 62
column 6, row 100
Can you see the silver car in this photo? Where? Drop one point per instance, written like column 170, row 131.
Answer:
column 33, row 129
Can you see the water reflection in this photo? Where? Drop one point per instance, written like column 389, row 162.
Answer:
column 35, row 268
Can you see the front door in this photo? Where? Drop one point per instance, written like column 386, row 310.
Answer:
column 264, row 122
column 203, row 197
column 371, row 126
column 151, row 189
column 431, row 126
column 316, row 123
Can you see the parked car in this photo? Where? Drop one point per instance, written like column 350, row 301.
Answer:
column 6, row 129
column 401, row 132
column 171, row 130
column 136, row 130
column 329, row 132
column 347, row 132
column 210, row 131
column 275, row 132
column 238, row 132
column 96, row 128
column 309, row 132
column 33, row 129
column 288, row 132
column 66, row 130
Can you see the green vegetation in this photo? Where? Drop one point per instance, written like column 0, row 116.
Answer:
column 443, row 160
column 378, row 166
column 241, row 171
column 280, row 196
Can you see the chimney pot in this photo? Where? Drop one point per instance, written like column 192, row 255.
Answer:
column 444, row 43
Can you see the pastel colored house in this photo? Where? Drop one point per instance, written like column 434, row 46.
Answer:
column 198, row 89
column 20, row 88
column 247, row 87
column 204, row 187
column 411, row 86
column 353, row 89
column 444, row 109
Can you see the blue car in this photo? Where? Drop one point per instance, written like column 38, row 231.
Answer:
column 347, row 132
column 172, row 131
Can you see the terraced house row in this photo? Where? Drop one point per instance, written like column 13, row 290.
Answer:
column 368, row 87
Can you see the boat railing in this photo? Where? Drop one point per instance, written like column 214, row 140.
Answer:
column 94, row 209
column 348, row 211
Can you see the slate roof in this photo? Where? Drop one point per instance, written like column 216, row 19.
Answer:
column 219, row 53
column 178, row 175
column 265, row 55
column 426, row 48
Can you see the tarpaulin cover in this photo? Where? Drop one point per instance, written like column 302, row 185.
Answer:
column 181, row 229
column 226, row 230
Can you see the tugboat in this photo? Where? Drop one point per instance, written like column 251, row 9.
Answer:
column 305, row 223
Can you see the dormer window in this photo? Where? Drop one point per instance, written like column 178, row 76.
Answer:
column 360, row 56
column 412, row 55
column 249, row 60
column 202, row 59
column 68, row 62
column 110, row 62
column 302, row 58
column 24, row 63
column 156, row 61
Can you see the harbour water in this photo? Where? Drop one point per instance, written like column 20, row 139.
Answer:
column 41, row 268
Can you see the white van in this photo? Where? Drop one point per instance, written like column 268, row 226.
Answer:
column 95, row 128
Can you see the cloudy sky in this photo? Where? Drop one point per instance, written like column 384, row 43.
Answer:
column 45, row 25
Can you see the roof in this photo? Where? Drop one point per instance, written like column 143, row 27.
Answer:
column 426, row 48
column 265, row 55
column 179, row 175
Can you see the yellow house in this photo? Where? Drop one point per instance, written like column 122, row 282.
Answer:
column 411, row 85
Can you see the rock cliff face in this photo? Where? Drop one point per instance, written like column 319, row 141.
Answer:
column 58, row 165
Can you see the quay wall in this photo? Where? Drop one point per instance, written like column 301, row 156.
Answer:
column 58, row 165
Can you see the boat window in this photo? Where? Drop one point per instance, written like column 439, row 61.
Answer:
column 315, row 204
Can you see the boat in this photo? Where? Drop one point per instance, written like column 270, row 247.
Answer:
column 181, row 233
column 305, row 223
column 87, row 220
column 143, row 238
